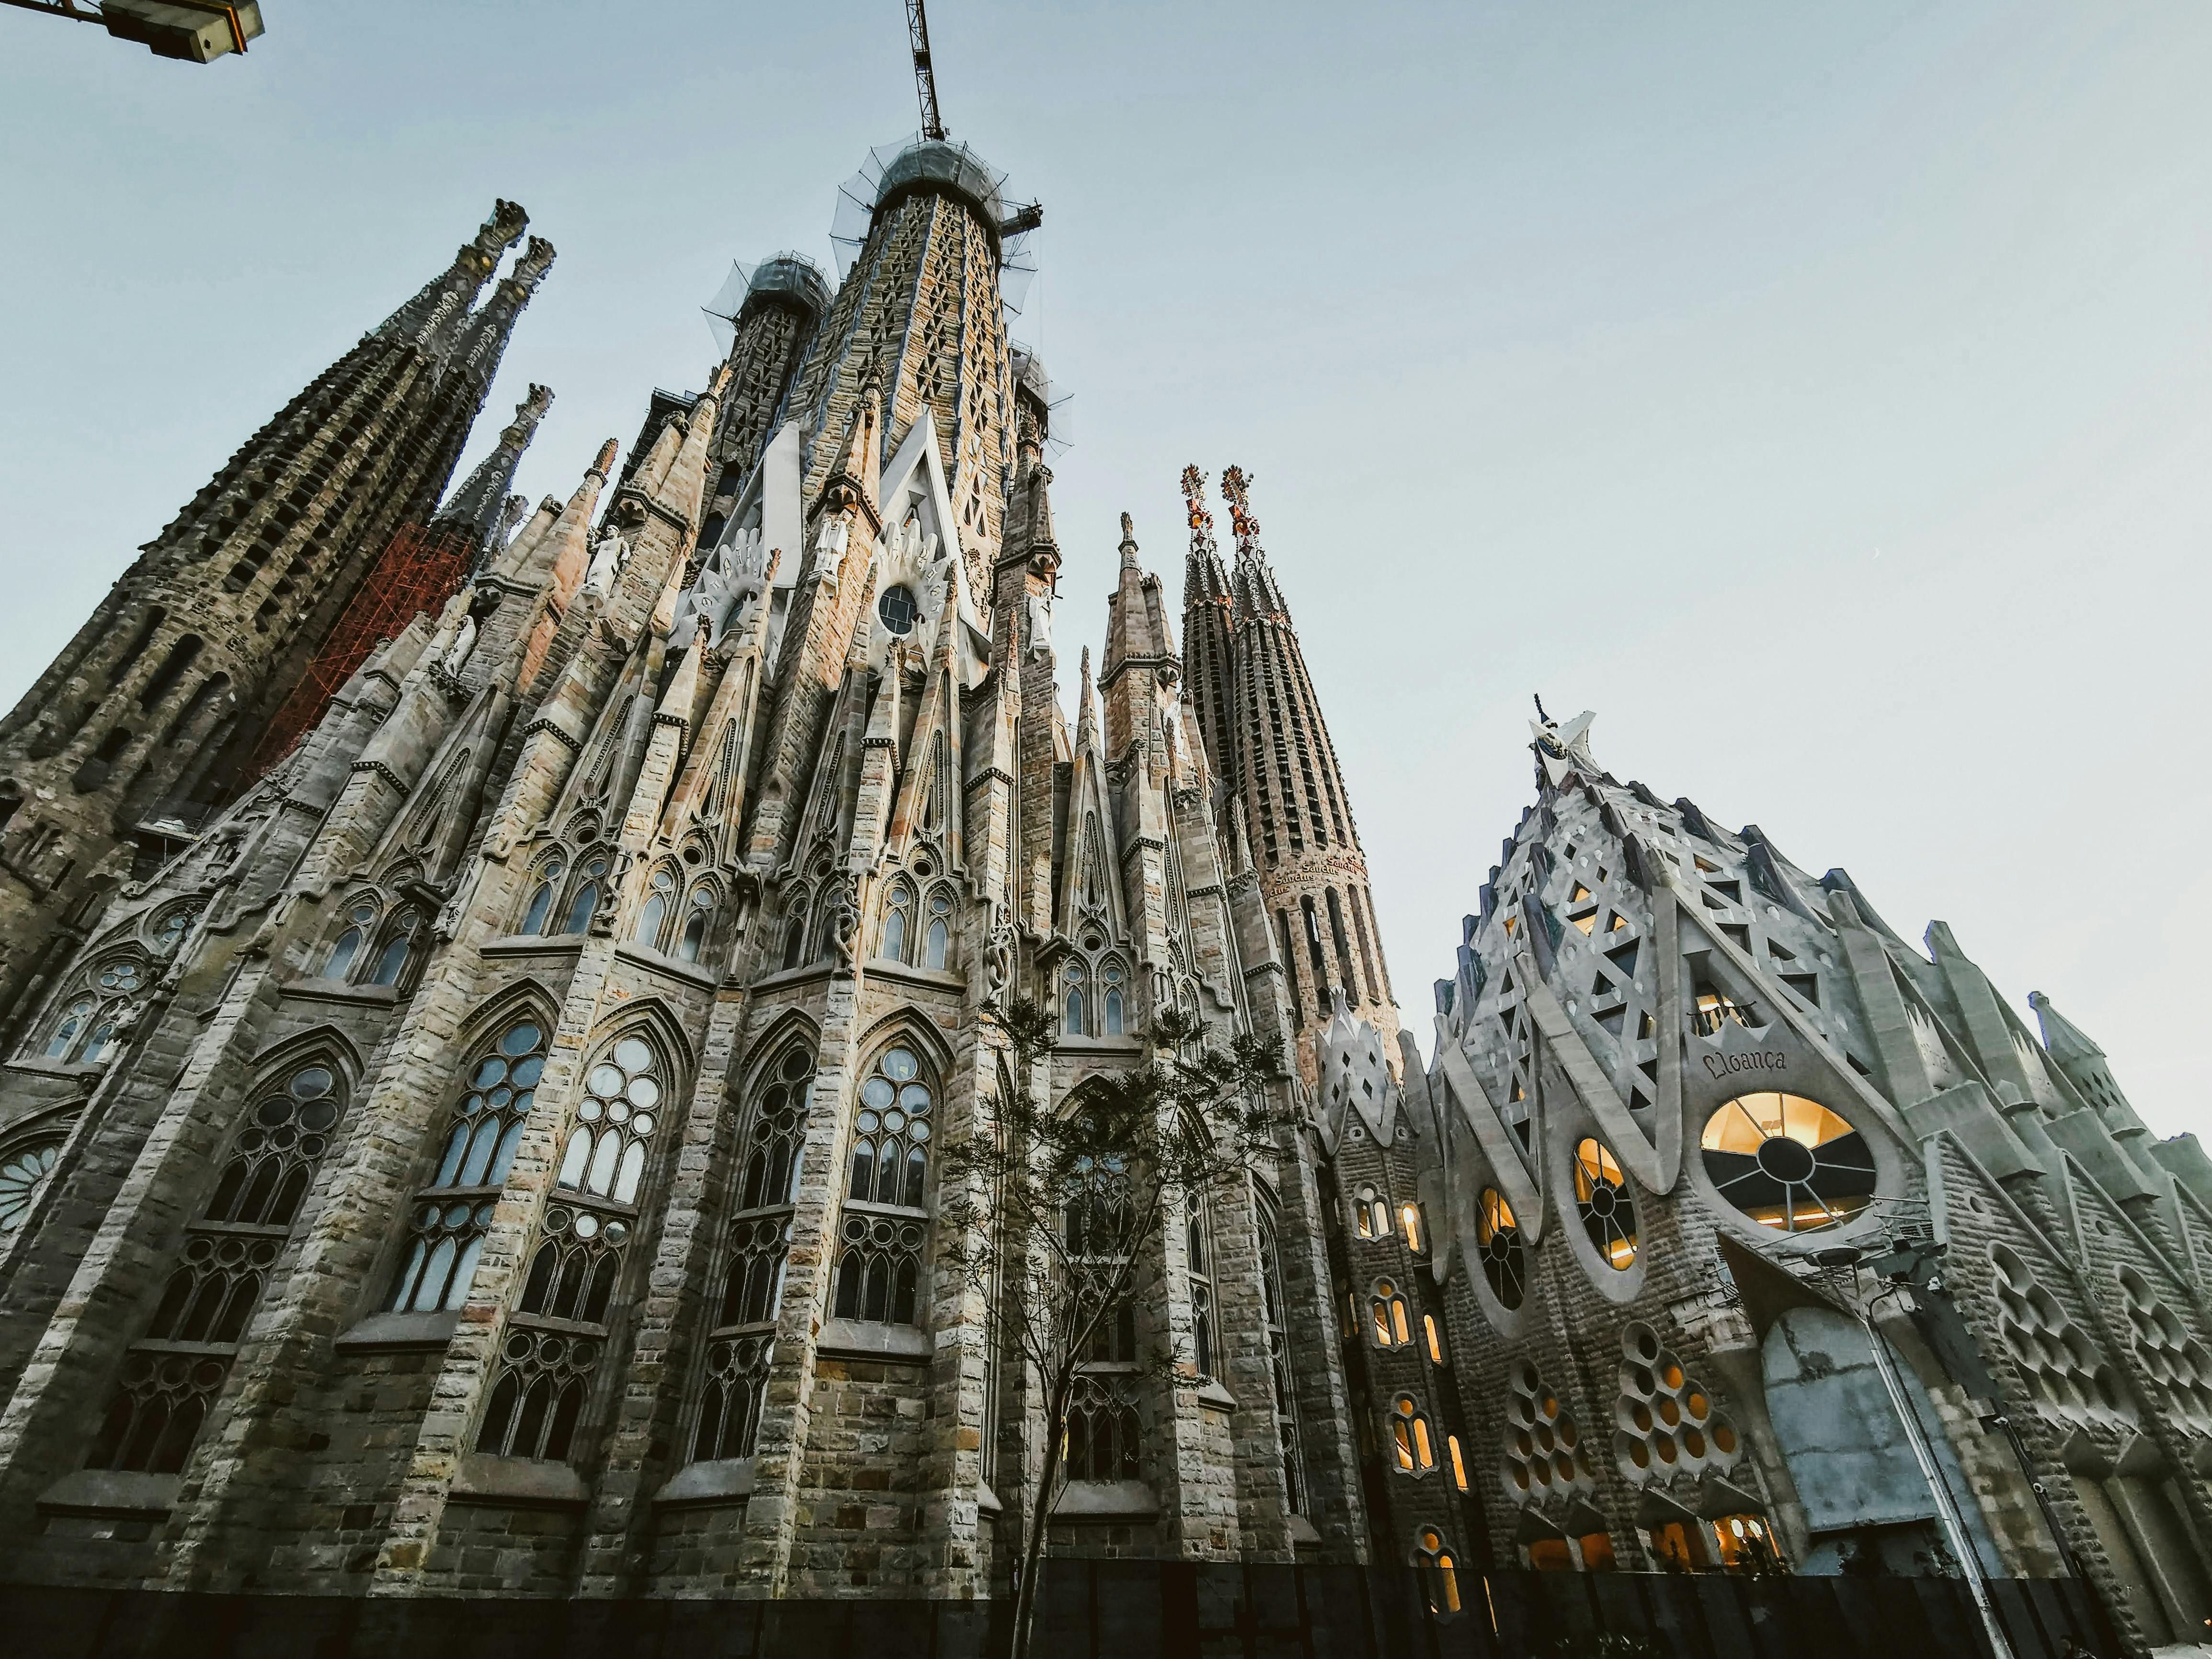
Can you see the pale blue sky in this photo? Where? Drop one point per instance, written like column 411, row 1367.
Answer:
column 1822, row 395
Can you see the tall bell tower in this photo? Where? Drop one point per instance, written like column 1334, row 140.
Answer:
column 149, row 717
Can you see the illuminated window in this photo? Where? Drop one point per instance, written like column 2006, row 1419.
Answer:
column 1746, row 1542
column 1391, row 1330
column 1498, row 1241
column 1596, row 1549
column 1716, row 1006
column 1458, row 1461
column 1607, row 1211
column 1413, row 1447
column 1434, row 1339
column 1409, row 1223
column 1438, row 1572
column 1371, row 1216
column 1788, row 1163
column 1586, row 916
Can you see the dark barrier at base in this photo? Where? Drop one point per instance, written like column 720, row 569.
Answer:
column 1111, row 1610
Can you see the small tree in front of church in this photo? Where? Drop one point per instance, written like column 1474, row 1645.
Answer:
column 1059, row 1205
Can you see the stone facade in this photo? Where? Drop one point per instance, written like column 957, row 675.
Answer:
column 1766, row 1240
column 513, row 1170
column 151, row 714
column 495, row 1152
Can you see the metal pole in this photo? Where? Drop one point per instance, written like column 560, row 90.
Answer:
column 1945, row 1510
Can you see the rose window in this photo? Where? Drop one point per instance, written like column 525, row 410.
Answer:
column 1788, row 1163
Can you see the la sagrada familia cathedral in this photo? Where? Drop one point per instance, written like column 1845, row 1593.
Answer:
column 487, row 989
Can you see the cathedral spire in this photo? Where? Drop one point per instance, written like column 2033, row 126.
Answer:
column 454, row 288
column 1256, row 594
column 1313, row 872
column 1208, row 653
column 1086, row 714
column 480, row 344
column 480, row 502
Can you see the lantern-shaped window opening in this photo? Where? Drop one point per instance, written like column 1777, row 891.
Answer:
column 1608, row 1212
column 1498, row 1241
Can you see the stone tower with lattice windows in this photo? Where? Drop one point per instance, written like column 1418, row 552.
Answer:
column 511, row 1161
column 149, row 718
column 1283, row 790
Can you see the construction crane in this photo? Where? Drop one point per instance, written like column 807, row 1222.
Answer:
column 1025, row 217
column 925, row 79
column 193, row 31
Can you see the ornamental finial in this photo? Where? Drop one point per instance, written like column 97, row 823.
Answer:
column 1236, row 488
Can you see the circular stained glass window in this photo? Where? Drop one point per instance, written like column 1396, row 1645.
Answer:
column 898, row 609
column 1788, row 1163
column 22, row 1172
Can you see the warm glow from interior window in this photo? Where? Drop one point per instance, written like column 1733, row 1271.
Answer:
column 1436, row 1344
column 1459, row 1463
column 1409, row 1217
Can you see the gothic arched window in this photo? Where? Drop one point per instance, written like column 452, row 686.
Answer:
column 794, row 930
column 576, row 1266
column 1073, row 1020
column 1434, row 1556
column 1370, row 1213
column 584, row 897
column 1110, row 1000
column 393, row 961
column 1388, row 1307
column 76, row 1020
column 937, row 942
column 1413, row 1449
column 698, row 924
column 606, row 1150
column 1608, row 1212
column 1102, row 1432
column 1199, row 1257
column 163, row 1394
column 361, row 927
column 1273, row 1296
column 542, row 893
column 880, row 1254
column 898, row 922
column 754, row 1256
column 89, row 1019
column 652, row 915
column 454, row 1208
column 169, row 931
column 539, row 1396
column 771, row 1166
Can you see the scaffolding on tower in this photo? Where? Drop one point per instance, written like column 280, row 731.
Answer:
column 420, row 568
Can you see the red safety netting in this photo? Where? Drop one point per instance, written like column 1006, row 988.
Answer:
column 420, row 570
